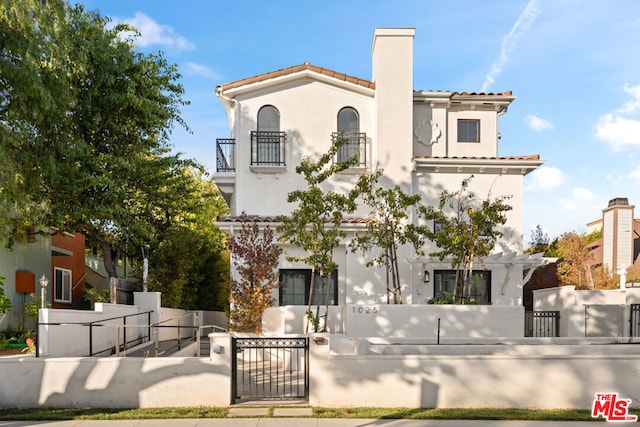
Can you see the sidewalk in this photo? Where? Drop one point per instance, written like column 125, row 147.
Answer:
column 293, row 422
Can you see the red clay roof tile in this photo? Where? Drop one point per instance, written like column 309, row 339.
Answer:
column 296, row 69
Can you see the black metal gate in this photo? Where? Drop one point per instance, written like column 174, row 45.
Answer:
column 270, row 368
column 634, row 320
column 542, row 324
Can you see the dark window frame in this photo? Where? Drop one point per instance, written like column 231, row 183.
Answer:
column 474, row 294
column 307, row 273
column 61, row 288
column 465, row 131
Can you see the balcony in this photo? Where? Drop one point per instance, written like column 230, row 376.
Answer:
column 268, row 148
column 355, row 144
column 225, row 155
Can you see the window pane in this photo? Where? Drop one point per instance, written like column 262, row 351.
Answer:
column 324, row 290
column 480, row 292
column 62, row 285
column 296, row 286
column 268, row 119
column 468, row 130
column 348, row 120
column 293, row 290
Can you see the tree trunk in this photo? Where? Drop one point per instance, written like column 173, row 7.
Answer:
column 396, row 275
column 111, row 255
column 308, row 314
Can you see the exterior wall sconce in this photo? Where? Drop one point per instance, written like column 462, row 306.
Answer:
column 43, row 290
column 426, row 276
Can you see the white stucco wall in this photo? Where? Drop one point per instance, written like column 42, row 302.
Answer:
column 589, row 313
column 308, row 124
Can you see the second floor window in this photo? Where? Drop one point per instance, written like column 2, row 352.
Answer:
column 349, row 131
column 468, row 130
column 267, row 142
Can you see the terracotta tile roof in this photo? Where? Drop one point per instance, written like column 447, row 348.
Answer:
column 530, row 157
column 505, row 93
column 295, row 69
column 259, row 218
column 465, row 94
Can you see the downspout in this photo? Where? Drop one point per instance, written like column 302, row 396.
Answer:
column 231, row 103
column 498, row 136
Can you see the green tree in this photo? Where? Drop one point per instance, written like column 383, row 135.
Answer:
column 5, row 302
column 388, row 227
column 35, row 95
column 468, row 230
column 189, row 261
column 255, row 258
column 85, row 125
column 314, row 225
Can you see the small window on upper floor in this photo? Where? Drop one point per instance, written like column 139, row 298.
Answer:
column 468, row 130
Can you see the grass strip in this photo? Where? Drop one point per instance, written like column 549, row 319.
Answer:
column 39, row 414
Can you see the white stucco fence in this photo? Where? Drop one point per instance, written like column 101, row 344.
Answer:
column 345, row 372
column 587, row 313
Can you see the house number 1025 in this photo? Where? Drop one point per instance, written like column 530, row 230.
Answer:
column 366, row 309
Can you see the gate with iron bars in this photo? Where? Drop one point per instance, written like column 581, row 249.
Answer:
column 270, row 368
column 634, row 321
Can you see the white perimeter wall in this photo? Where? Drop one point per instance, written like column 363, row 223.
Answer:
column 589, row 313
column 559, row 379
column 343, row 372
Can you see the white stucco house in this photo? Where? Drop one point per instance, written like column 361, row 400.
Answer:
column 425, row 141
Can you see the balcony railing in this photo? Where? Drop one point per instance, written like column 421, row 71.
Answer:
column 353, row 144
column 226, row 155
column 267, row 148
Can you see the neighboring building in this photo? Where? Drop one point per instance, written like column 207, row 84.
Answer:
column 619, row 246
column 22, row 266
column 425, row 141
column 68, row 271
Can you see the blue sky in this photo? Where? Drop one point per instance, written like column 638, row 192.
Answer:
column 574, row 66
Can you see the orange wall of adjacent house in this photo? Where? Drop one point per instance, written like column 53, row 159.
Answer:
column 74, row 263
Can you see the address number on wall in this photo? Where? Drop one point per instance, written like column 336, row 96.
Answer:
column 365, row 309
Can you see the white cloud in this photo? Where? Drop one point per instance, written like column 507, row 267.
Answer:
column 583, row 195
column 194, row 69
column 536, row 123
column 545, row 178
column 152, row 33
column 618, row 129
column 522, row 25
column 635, row 176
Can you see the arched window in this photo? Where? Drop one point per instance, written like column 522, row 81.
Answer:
column 349, row 131
column 348, row 120
column 267, row 142
column 268, row 119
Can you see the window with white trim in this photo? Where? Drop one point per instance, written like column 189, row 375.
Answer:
column 62, row 285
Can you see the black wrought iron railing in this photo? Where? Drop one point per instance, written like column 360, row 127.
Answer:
column 352, row 144
column 268, row 148
column 634, row 320
column 226, row 154
column 542, row 324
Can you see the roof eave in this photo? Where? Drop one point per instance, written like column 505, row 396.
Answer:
column 288, row 78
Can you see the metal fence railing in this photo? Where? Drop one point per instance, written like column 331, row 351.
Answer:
column 542, row 324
